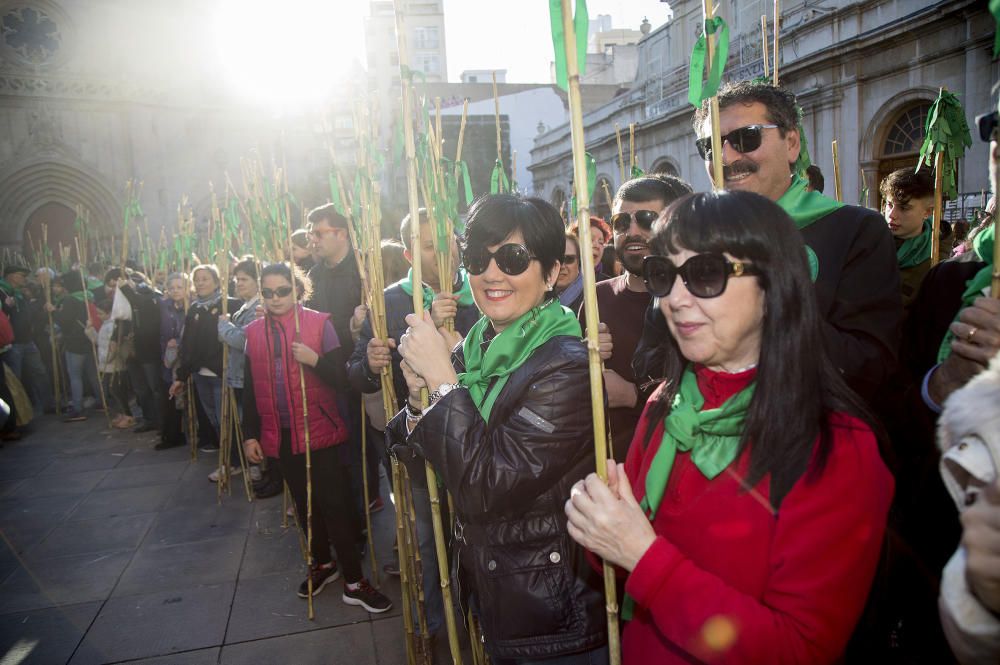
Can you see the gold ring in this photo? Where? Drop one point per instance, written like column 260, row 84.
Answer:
column 972, row 333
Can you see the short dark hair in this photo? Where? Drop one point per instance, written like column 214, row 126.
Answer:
column 282, row 269
column 493, row 217
column 72, row 281
column 798, row 388
column 405, row 232
column 327, row 213
column 112, row 275
column 248, row 266
column 782, row 107
column 816, row 180
column 654, row 187
column 905, row 184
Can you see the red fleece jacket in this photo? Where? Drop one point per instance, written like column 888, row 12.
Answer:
column 729, row 580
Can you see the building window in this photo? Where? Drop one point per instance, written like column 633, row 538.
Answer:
column 429, row 64
column 426, row 38
column 906, row 134
column 31, row 34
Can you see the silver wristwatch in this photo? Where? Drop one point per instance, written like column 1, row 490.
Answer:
column 441, row 391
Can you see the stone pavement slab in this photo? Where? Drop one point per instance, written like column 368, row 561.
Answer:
column 163, row 567
column 62, row 581
column 46, row 636
column 57, row 485
column 94, row 536
column 185, row 524
column 143, row 475
column 347, row 645
column 113, row 503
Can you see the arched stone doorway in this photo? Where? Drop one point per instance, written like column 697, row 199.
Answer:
column 604, row 194
column 54, row 222
column 665, row 165
column 899, row 143
column 558, row 199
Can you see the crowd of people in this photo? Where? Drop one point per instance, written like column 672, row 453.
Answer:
column 803, row 411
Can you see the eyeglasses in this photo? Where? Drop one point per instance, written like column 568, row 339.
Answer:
column 280, row 292
column 704, row 275
column 622, row 221
column 743, row 140
column 569, row 259
column 319, row 233
column 987, row 124
column 512, row 259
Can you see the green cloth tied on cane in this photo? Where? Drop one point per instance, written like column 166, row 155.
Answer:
column 581, row 26
column 498, row 179
column 510, row 349
column 916, row 250
column 976, row 287
column 698, row 89
column 711, row 436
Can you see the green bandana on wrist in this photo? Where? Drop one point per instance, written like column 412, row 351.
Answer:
column 975, row 287
column 510, row 349
column 464, row 292
column 915, row 251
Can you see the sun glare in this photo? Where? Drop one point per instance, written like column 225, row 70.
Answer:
column 290, row 53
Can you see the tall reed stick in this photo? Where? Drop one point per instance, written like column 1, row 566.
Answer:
column 836, row 172
column 938, row 209
column 777, row 31
column 590, row 302
column 718, row 181
column 764, row 44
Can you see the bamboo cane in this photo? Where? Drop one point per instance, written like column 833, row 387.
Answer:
column 496, row 114
column 777, row 30
column 461, row 132
column 763, row 37
column 404, row 573
column 418, row 308
column 995, row 282
column 718, row 181
column 368, row 514
column 56, row 374
column 938, row 209
column 93, row 343
column 590, row 304
column 631, row 151
column 244, row 466
column 416, row 563
column 621, row 154
column 836, row 172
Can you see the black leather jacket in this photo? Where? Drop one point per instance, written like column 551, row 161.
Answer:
column 509, row 478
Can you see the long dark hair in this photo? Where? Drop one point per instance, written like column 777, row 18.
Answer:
column 798, row 388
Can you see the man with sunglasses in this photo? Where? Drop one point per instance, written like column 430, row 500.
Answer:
column 851, row 252
column 622, row 301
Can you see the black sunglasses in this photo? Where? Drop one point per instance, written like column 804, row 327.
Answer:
column 621, row 222
column 569, row 259
column 512, row 259
column 704, row 275
column 743, row 140
column 987, row 124
column 281, row 292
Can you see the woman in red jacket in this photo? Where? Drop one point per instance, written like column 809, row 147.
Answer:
column 273, row 425
column 750, row 512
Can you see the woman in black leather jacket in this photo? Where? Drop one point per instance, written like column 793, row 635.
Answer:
column 509, row 431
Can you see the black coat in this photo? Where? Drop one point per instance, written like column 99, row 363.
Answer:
column 145, row 324
column 200, row 345
column 337, row 291
column 537, row 595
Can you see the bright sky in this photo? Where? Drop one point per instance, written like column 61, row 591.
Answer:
column 515, row 35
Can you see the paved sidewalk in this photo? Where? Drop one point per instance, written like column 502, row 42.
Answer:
column 112, row 552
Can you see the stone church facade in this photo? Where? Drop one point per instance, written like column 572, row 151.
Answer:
column 865, row 73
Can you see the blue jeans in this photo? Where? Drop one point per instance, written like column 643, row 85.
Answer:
column 433, row 602
column 210, row 395
column 80, row 367
column 26, row 363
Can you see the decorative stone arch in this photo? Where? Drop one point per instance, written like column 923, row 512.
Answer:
column 665, row 165
column 558, row 198
column 27, row 187
column 600, row 205
column 875, row 163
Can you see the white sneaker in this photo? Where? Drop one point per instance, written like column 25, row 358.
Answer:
column 255, row 474
column 233, row 471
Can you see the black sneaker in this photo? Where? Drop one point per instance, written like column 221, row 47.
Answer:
column 74, row 417
column 268, row 489
column 166, row 445
column 213, row 448
column 321, row 576
column 367, row 597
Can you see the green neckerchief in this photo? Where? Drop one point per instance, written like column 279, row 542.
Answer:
column 464, row 292
column 805, row 207
column 9, row 288
column 975, row 287
column 80, row 295
column 509, row 349
column 915, row 251
column 712, row 436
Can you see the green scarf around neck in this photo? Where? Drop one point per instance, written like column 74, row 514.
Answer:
column 976, row 287
column 915, row 251
column 712, row 436
column 510, row 349
column 464, row 292
column 805, row 207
